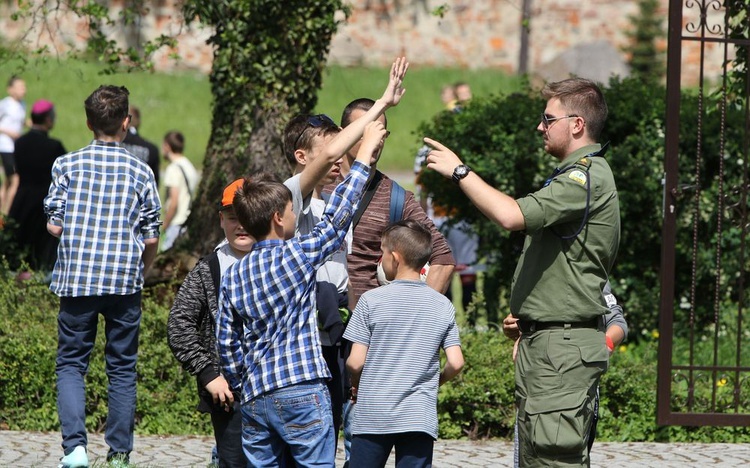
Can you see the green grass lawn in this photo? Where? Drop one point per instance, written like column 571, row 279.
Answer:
column 167, row 102
column 182, row 101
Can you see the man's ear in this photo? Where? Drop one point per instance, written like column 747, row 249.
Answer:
column 88, row 124
column 579, row 126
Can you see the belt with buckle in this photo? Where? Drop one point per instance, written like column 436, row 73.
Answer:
column 531, row 326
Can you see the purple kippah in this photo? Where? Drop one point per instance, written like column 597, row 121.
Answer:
column 41, row 106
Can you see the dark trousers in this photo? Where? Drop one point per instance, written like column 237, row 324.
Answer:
column 335, row 361
column 228, row 434
column 413, row 450
column 76, row 331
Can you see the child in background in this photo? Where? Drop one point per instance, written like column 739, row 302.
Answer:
column 396, row 398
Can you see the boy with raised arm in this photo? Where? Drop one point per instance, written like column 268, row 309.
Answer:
column 315, row 145
column 267, row 333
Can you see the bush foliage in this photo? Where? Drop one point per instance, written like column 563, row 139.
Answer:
column 479, row 403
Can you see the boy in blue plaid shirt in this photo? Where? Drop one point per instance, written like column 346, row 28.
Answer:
column 267, row 330
column 104, row 206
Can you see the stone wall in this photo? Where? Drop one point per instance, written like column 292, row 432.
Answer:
column 472, row 33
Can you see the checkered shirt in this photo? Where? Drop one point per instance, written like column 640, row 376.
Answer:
column 267, row 332
column 107, row 203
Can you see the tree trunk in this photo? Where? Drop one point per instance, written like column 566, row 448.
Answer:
column 267, row 67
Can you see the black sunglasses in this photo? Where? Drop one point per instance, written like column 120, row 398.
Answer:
column 314, row 121
column 548, row 121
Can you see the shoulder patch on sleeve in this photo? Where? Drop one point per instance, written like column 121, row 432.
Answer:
column 342, row 219
column 578, row 176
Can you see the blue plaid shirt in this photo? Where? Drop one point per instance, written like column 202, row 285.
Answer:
column 107, row 203
column 267, row 329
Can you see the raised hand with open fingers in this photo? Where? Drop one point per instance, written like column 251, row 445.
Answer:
column 395, row 90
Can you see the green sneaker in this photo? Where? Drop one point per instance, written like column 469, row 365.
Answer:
column 118, row 461
column 78, row 458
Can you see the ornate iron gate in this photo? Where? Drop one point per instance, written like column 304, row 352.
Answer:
column 704, row 344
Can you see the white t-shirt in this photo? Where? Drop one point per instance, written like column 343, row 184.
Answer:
column 179, row 174
column 227, row 257
column 309, row 213
column 12, row 117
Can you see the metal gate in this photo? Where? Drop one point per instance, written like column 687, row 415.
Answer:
column 704, row 337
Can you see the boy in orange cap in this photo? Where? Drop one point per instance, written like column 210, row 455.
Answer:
column 192, row 338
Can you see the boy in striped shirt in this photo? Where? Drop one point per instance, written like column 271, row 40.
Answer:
column 397, row 398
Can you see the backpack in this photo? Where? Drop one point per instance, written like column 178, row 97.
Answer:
column 398, row 197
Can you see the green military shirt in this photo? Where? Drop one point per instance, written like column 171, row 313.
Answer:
column 561, row 280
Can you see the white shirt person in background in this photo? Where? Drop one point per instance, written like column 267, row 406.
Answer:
column 181, row 181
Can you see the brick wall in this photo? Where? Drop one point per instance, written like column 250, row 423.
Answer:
column 473, row 33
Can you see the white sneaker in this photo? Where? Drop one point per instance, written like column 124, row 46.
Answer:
column 78, row 458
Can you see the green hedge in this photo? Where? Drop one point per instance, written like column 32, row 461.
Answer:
column 478, row 404
column 28, row 347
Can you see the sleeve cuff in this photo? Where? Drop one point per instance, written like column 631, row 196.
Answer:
column 533, row 215
column 207, row 375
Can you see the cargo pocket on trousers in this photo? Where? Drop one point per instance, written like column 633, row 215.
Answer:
column 595, row 355
column 559, row 422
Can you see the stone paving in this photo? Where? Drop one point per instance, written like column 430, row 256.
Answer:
column 36, row 449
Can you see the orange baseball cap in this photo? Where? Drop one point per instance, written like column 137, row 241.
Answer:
column 227, row 197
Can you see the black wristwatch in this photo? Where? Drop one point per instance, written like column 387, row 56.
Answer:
column 460, row 172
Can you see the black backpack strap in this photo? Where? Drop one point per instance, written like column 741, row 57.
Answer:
column 215, row 269
column 372, row 186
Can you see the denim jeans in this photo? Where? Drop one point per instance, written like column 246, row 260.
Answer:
column 76, row 332
column 297, row 417
column 413, row 450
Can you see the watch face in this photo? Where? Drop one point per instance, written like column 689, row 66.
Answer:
column 462, row 170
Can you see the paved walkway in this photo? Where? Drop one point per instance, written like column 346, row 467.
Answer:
column 36, row 449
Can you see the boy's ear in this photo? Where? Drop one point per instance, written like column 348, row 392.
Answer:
column 397, row 257
column 301, row 157
column 277, row 219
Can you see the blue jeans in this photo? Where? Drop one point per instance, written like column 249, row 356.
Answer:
column 76, row 332
column 297, row 417
column 347, row 424
column 413, row 450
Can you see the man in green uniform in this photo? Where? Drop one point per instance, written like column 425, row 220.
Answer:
column 573, row 232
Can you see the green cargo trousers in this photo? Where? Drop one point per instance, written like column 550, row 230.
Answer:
column 557, row 374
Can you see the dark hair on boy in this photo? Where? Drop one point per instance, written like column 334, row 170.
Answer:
column 583, row 98
column 411, row 239
column 363, row 104
column 106, row 109
column 260, row 197
column 300, row 132
column 176, row 141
